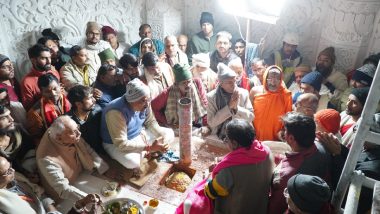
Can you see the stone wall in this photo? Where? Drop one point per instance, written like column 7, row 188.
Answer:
column 351, row 26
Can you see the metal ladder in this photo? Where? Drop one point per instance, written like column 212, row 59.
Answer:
column 356, row 179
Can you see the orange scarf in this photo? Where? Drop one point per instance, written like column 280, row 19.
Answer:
column 269, row 107
column 49, row 112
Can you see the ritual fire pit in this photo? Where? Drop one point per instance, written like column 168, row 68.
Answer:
column 178, row 177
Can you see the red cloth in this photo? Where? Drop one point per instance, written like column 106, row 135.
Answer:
column 345, row 128
column 200, row 202
column 244, row 83
column 30, row 93
column 242, row 156
column 13, row 90
column 49, row 110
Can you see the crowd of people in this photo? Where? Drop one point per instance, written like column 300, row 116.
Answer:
column 106, row 98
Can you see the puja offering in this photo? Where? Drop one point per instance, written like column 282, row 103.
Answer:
column 123, row 206
column 178, row 181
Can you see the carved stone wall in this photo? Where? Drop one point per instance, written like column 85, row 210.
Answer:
column 22, row 21
column 351, row 26
column 348, row 27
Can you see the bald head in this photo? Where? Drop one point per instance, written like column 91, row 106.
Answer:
column 307, row 104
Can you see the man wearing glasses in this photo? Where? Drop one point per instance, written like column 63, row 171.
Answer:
column 94, row 44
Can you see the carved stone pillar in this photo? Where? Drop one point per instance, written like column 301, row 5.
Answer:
column 348, row 27
column 165, row 17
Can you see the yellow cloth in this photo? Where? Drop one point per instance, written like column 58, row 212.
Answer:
column 86, row 78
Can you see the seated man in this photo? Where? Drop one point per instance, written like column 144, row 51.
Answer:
column 77, row 70
column 258, row 67
column 122, row 126
column 40, row 57
column 18, row 112
column 233, row 177
column 227, row 102
column 8, row 80
column 201, row 69
column 242, row 80
column 106, row 82
column 270, row 101
column 130, row 65
column 173, row 55
column 59, row 57
column 328, row 120
column 165, row 104
column 182, row 42
column 157, row 75
column 311, row 83
column 94, row 44
column 306, row 157
column 145, row 31
column 349, row 117
column 223, row 53
column 299, row 72
column 334, row 81
column 203, row 41
column 14, row 145
column 52, row 104
column 62, row 156
column 362, row 77
column 239, row 49
column 86, row 114
column 107, row 57
column 17, row 196
column 287, row 58
column 110, row 35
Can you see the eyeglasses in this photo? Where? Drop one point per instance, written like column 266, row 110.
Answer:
column 9, row 171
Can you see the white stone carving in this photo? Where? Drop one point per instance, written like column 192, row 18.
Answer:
column 352, row 26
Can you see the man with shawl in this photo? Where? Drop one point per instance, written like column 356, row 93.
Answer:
column 156, row 75
column 52, row 104
column 227, row 102
column 94, row 44
column 165, row 105
column 270, row 101
column 62, row 156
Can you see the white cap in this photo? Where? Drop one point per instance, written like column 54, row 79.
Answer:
column 291, row 38
column 202, row 60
